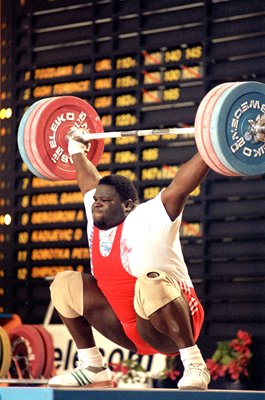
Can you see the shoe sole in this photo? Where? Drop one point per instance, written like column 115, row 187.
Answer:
column 103, row 384
column 192, row 388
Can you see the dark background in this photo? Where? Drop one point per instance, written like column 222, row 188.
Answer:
column 141, row 64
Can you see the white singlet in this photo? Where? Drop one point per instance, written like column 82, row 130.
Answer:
column 149, row 240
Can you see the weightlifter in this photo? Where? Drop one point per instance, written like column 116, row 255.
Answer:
column 139, row 294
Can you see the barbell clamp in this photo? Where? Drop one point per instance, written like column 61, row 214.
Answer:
column 256, row 130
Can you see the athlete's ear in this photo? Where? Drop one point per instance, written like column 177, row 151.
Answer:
column 129, row 205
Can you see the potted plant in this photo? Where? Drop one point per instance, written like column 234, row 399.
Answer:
column 231, row 359
column 130, row 373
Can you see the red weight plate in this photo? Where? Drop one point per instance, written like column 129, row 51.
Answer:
column 21, row 143
column 15, row 371
column 202, row 129
column 33, row 157
column 28, row 350
column 49, row 128
column 49, row 351
column 207, row 137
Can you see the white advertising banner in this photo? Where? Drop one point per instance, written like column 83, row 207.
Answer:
column 65, row 351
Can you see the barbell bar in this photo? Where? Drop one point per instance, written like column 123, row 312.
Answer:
column 229, row 131
column 87, row 136
column 256, row 132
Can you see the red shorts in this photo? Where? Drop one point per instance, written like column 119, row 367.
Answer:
column 197, row 314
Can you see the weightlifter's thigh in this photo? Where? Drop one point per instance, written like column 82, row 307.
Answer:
column 98, row 312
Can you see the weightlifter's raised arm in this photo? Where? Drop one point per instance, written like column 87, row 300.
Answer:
column 86, row 173
column 189, row 176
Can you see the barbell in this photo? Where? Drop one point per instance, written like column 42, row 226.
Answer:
column 229, row 132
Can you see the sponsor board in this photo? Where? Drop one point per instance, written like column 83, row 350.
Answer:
column 66, row 355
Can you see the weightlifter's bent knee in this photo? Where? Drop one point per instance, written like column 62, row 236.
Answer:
column 67, row 294
column 153, row 290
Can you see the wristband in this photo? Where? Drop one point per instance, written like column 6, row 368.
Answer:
column 75, row 147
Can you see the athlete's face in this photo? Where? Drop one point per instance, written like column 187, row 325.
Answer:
column 107, row 210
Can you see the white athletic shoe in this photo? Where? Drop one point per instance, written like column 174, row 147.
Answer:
column 83, row 377
column 195, row 377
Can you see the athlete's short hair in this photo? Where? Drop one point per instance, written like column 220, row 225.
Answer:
column 124, row 187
